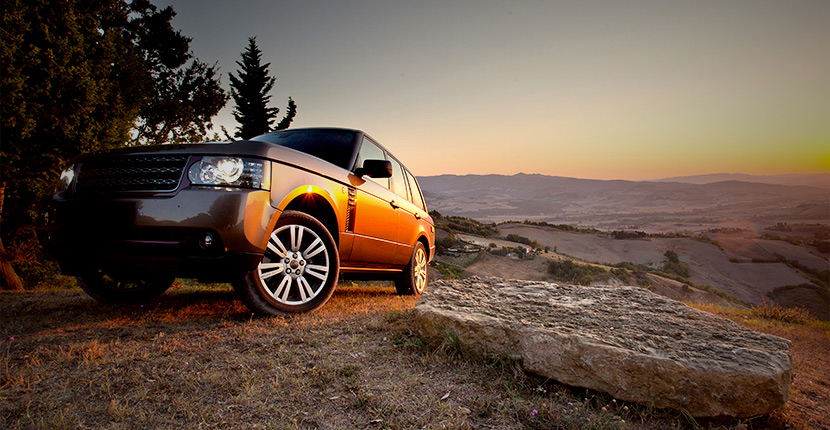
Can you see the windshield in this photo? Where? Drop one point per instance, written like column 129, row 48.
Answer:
column 334, row 146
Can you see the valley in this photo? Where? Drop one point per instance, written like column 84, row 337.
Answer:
column 756, row 242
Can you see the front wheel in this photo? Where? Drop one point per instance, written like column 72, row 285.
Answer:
column 109, row 289
column 413, row 280
column 298, row 271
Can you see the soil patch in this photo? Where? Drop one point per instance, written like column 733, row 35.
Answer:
column 196, row 358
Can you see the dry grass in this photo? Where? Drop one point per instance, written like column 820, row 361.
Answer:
column 809, row 405
column 197, row 359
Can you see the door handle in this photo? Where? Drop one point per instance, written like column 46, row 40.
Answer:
column 394, row 204
column 417, row 216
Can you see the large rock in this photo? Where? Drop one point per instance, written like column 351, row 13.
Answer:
column 625, row 341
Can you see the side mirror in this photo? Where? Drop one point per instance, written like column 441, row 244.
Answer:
column 375, row 169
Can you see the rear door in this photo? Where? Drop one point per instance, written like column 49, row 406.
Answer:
column 409, row 216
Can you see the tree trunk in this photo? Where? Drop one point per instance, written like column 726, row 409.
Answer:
column 8, row 279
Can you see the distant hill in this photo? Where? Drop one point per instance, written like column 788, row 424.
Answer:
column 649, row 205
column 814, row 180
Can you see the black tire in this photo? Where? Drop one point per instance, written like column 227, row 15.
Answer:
column 413, row 280
column 298, row 271
column 107, row 289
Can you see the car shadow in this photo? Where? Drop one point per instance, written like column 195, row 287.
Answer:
column 67, row 312
column 63, row 312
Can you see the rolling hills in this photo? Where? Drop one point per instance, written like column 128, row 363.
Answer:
column 757, row 242
column 619, row 205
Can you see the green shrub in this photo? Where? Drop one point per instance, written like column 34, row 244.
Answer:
column 447, row 270
column 464, row 225
column 674, row 266
column 623, row 275
column 621, row 235
column 517, row 251
column 512, row 237
column 568, row 271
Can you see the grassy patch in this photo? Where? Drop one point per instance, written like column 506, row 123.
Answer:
column 639, row 269
column 196, row 358
column 809, row 405
column 463, row 225
column 787, row 315
column 451, row 266
column 818, row 277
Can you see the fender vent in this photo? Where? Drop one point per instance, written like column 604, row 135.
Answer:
column 351, row 209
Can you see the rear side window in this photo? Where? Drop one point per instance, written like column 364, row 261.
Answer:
column 334, row 146
column 417, row 199
column 398, row 180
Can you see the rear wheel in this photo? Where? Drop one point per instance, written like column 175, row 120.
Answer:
column 298, row 272
column 413, row 280
column 109, row 289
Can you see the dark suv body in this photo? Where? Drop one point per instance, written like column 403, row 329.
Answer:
column 280, row 216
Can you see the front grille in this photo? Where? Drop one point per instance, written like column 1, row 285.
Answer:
column 136, row 173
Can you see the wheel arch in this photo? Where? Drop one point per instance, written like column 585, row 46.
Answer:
column 317, row 206
column 425, row 241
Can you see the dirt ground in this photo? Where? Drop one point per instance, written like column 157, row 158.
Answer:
column 509, row 267
column 196, row 358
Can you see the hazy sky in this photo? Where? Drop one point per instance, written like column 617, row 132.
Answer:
column 588, row 89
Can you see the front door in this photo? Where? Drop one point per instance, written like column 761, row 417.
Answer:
column 376, row 215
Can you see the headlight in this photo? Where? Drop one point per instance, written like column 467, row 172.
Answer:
column 67, row 176
column 231, row 172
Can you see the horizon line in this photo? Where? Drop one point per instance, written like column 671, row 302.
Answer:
column 701, row 175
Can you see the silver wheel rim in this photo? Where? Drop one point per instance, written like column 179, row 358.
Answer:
column 296, row 266
column 420, row 270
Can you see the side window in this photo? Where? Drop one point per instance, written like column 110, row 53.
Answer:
column 370, row 151
column 416, row 199
column 398, row 180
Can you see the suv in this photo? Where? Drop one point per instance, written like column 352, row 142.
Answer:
column 280, row 216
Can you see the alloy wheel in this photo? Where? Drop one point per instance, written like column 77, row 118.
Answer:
column 296, row 265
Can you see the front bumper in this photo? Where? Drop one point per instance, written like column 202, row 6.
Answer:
column 137, row 237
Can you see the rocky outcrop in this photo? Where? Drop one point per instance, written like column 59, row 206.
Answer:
column 625, row 341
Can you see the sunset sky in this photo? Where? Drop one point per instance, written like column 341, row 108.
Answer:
column 587, row 89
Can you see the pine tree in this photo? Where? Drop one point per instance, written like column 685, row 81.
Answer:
column 289, row 116
column 250, row 94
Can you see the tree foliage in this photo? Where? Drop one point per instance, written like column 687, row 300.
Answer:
column 80, row 76
column 181, row 107
column 250, row 90
column 68, row 84
column 289, row 116
column 182, row 97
